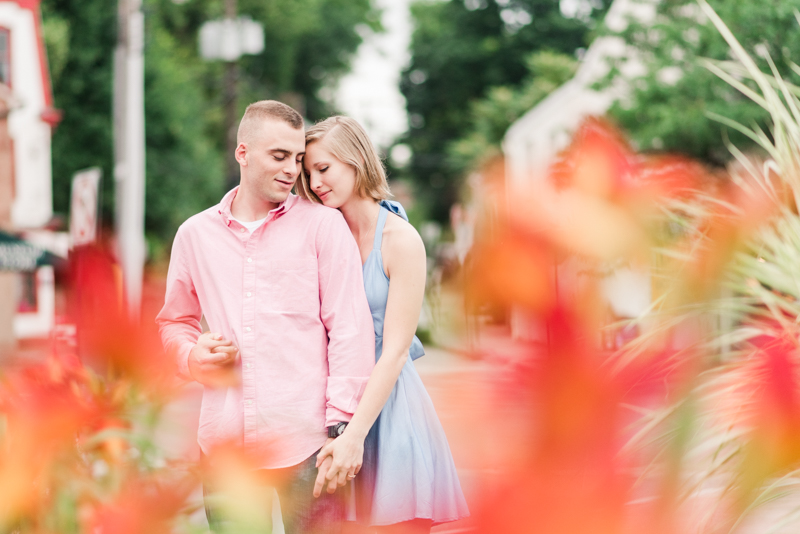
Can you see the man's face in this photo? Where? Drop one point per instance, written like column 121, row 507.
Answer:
column 271, row 160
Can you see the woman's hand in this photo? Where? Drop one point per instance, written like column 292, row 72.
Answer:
column 344, row 455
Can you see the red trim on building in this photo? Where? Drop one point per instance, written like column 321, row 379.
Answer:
column 28, row 4
column 52, row 116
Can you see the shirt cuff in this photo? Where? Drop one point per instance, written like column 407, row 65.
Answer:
column 182, row 360
column 343, row 395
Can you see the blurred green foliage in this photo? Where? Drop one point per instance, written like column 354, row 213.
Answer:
column 491, row 116
column 184, row 167
column 309, row 43
column 80, row 37
column 459, row 50
column 671, row 116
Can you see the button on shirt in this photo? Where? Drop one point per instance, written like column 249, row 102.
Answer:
column 290, row 296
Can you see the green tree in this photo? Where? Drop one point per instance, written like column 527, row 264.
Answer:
column 309, row 43
column 661, row 113
column 459, row 49
column 183, row 167
column 80, row 38
column 309, row 46
column 491, row 116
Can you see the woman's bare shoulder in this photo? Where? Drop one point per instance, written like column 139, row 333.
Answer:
column 402, row 244
column 400, row 235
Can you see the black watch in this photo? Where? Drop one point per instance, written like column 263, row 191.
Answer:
column 336, row 430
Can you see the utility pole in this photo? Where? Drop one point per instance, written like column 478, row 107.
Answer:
column 129, row 150
column 231, row 76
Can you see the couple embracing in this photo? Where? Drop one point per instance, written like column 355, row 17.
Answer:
column 312, row 301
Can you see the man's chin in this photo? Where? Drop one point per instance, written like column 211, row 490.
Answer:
column 277, row 198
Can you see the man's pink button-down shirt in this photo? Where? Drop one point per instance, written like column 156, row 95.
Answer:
column 291, row 297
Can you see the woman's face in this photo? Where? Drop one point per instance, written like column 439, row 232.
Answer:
column 329, row 178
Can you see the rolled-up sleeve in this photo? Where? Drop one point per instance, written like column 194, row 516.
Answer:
column 345, row 313
column 179, row 319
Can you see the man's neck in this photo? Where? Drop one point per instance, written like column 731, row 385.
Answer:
column 248, row 208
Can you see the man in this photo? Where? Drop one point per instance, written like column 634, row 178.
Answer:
column 279, row 278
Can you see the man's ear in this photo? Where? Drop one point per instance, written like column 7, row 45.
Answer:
column 241, row 154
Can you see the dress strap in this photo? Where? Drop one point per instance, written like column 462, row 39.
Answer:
column 394, row 207
column 376, row 244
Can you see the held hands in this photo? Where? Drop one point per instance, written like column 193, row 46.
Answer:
column 338, row 462
column 211, row 361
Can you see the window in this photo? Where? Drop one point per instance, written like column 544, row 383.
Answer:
column 5, row 56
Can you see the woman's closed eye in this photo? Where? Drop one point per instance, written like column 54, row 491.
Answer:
column 323, row 169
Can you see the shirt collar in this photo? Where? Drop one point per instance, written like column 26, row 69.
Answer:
column 225, row 204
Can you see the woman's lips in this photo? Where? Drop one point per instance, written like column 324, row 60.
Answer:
column 323, row 195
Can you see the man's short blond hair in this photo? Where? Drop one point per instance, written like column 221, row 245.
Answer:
column 347, row 141
column 257, row 112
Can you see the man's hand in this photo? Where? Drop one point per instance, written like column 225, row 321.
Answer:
column 343, row 457
column 323, row 465
column 211, row 361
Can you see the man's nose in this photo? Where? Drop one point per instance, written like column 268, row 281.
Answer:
column 292, row 170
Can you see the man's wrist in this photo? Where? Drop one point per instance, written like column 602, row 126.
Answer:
column 192, row 363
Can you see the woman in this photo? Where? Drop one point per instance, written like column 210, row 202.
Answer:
column 408, row 482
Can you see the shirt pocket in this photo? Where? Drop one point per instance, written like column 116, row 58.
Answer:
column 292, row 286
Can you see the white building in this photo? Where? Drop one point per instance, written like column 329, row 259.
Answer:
column 27, row 181
column 23, row 67
column 532, row 143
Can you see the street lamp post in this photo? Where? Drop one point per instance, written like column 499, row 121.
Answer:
column 228, row 39
column 231, row 74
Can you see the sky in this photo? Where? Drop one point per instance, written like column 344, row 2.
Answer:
column 370, row 92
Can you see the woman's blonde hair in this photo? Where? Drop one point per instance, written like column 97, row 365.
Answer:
column 347, row 141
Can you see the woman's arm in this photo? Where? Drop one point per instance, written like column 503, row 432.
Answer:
column 404, row 259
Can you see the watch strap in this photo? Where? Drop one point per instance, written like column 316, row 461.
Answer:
column 336, row 430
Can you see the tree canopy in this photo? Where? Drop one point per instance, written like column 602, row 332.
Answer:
column 308, row 44
column 490, row 117
column 666, row 113
column 460, row 49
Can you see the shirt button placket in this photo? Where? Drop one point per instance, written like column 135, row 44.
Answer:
column 249, row 345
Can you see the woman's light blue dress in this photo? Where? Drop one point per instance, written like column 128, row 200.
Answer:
column 408, row 471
